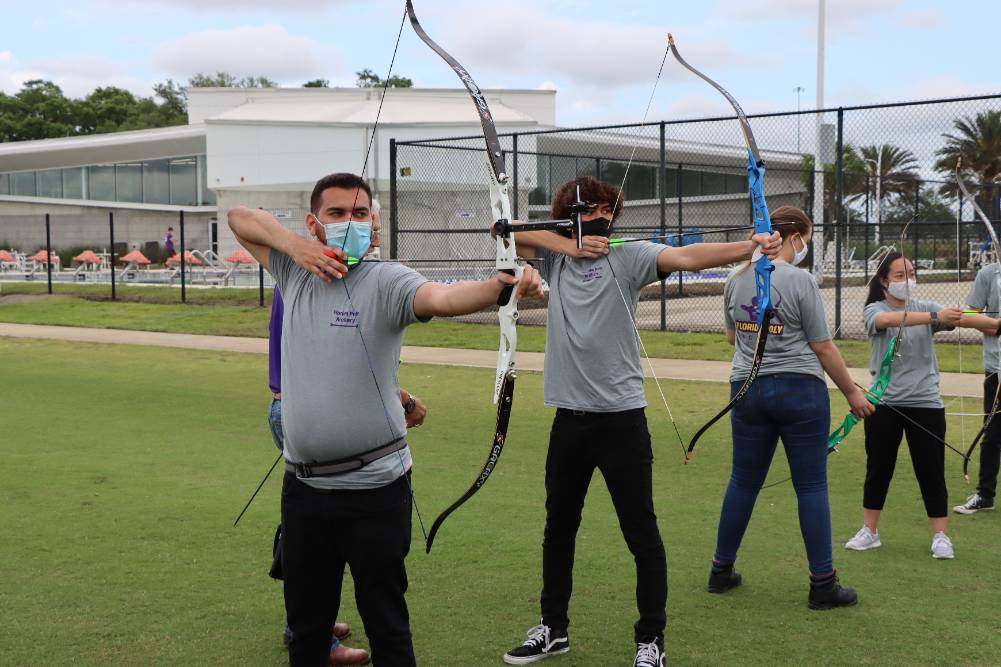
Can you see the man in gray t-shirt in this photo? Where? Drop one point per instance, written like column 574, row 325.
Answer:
column 346, row 497
column 594, row 379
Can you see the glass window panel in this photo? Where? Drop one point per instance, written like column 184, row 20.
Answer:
column 713, row 184
column 562, row 169
column 736, row 184
column 22, row 184
column 691, row 183
column 128, row 182
column 4, row 184
column 183, row 181
column 73, row 183
column 156, row 182
column 208, row 196
column 642, row 182
column 587, row 167
column 672, row 183
column 612, row 172
column 101, row 179
column 541, row 194
column 49, row 183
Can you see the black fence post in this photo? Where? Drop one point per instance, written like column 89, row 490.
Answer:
column 111, row 234
column 839, row 194
column 184, row 298
column 514, row 174
column 48, row 252
column 867, row 228
column 663, row 218
column 677, row 181
column 394, row 218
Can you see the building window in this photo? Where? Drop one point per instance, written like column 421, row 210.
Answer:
column 22, row 184
column 49, row 183
column 183, row 181
column 207, row 196
column 156, row 182
column 73, row 183
column 129, row 182
column 4, row 184
column 101, row 179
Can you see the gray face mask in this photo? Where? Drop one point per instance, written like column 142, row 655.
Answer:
column 901, row 289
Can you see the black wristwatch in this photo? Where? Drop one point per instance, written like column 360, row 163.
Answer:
column 934, row 316
column 410, row 405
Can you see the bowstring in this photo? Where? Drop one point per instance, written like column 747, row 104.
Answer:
column 347, row 292
column 618, row 287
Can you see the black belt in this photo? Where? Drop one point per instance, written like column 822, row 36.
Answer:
column 349, row 464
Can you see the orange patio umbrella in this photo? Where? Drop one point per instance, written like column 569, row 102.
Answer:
column 134, row 256
column 87, row 257
column 240, row 257
column 6, row 256
column 188, row 259
column 41, row 256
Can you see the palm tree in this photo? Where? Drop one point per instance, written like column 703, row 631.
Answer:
column 978, row 141
column 897, row 169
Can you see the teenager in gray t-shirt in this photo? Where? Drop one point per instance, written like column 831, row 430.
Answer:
column 984, row 297
column 594, row 379
column 342, row 331
column 911, row 405
column 787, row 400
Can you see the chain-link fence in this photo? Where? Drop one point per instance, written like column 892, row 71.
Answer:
column 864, row 174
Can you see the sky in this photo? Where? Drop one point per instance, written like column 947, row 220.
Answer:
column 601, row 57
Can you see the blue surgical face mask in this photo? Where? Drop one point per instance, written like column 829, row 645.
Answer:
column 353, row 237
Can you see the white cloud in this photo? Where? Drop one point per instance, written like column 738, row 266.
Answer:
column 236, row 5
column 840, row 13
column 77, row 76
column 547, row 85
column 600, row 55
column 926, row 19
column 6, row 57
column 267, row 50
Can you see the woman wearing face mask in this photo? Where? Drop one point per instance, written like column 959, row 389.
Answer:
column 788, row 400
column 911, row 405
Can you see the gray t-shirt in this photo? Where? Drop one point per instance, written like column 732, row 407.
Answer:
column 592, row 355
column 984, row 296
column 914, row 374
column 330, row 407
column 798, row 320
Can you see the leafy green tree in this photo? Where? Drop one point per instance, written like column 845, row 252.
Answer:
column 38, row 111
column 978, row 141
column 897, row 170
column 317, row 83
column 369, row 79
column 227, row 80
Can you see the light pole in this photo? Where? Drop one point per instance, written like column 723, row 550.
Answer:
column 798, row 90
column 878, row 163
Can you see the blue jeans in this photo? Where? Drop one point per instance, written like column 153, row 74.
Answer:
column 795, row 407
column 275, row 424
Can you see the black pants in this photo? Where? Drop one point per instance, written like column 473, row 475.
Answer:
column 369, row 530
column 990, row 446
column 617, row 444
column 883, row 432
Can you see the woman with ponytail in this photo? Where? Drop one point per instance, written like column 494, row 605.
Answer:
column 911, row 405
column 788, row 400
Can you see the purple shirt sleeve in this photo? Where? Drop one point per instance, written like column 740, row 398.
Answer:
column 275, row 343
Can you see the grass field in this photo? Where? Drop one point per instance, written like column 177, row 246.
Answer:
column 225, row 318
column 124, row 468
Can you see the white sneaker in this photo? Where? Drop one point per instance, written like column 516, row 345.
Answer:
column 864, row 539
column 941, row 547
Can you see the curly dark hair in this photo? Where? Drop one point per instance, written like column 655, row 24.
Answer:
column 592, row 191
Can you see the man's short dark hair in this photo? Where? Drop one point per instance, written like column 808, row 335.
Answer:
column 341, row 180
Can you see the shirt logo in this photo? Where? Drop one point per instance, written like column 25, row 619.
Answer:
column 775, row 326
column 345, row 318
column 593, row 273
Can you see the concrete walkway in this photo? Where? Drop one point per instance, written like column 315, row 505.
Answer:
column 952, row 384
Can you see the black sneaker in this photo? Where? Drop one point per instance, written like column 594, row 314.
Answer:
column 827, row 593
column 975, row 503
column 722, row 578
column 650, row 654
column 543, row 641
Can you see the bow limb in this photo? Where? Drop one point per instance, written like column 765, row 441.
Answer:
column 506, row 261
column 997, row 288
column 762, row 225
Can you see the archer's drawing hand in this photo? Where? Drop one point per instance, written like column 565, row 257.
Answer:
column 770, row 244
column 593, row 247
column 319, row 259
column 950, row 316
column 859, row 406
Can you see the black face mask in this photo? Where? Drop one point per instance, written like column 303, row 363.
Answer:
column 596, row 227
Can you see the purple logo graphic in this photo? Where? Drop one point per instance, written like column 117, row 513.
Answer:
column 593, row 273
column 776, row 326
column 345, row 318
